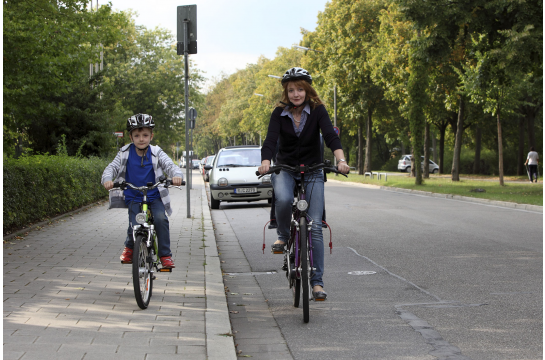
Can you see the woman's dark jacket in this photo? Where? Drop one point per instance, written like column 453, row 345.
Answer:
column 302, row 150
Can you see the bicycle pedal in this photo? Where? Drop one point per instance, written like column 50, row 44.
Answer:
column 277, row 252
column 319, row 299
column 165, row 270
column 126, row 262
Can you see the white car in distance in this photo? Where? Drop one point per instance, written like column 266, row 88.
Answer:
column 233, row 176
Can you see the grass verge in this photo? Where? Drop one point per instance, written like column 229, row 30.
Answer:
column 521, row 192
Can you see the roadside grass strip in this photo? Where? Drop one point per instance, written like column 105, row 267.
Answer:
column 482, row 188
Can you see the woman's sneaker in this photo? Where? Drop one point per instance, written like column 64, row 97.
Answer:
column 278, row 248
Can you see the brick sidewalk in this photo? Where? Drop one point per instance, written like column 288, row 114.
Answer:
column 67, row 296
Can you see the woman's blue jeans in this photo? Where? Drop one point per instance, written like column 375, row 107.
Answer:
column 284, row 185
column 160, row 221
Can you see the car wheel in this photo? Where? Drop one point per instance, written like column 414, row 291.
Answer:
column 214, row 204
column 408, row 169
column 435, row 171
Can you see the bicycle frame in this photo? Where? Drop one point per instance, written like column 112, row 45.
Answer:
column 149, row 229
column 296, row 217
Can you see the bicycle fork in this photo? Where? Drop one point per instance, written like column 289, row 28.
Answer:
column 297, row 242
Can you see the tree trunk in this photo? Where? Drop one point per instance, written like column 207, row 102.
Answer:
column 458, row 144
column 500, row 150
column 360, row 149
column 369, row 141
column 530, row 115
column 434, row 146
column 426, row 172
column 477, row 161
column 413, row 166
column 442, row 127
column 520, row 153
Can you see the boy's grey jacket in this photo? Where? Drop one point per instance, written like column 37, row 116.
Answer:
column 117, row 169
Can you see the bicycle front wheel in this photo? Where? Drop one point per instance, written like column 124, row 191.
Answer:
column 303, row 240
column 295, row 281
column 142, row 276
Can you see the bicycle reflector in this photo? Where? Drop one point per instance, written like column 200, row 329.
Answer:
column 141, row 218
column 302, row 205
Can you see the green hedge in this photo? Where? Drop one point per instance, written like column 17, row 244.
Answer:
column 42, row 186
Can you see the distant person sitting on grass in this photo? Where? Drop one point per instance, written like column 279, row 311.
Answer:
column 139, row 163
column 532, row 161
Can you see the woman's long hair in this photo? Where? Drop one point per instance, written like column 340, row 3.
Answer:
column 311, row 95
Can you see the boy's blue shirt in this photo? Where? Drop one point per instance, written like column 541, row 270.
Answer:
column 117, row 171
column 139, row 173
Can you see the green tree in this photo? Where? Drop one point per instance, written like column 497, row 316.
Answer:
column 346, row 34
column 47, row 51
column 148, row 77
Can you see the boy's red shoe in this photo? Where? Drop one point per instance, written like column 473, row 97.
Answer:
column 167, row 263
column 126, row 256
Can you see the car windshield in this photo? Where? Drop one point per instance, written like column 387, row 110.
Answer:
column 241, row 157
column 209, row 160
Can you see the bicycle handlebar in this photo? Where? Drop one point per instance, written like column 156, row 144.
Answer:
column 167, row 183
column 301, row 169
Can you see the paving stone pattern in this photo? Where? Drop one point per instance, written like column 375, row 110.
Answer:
column 67, row 296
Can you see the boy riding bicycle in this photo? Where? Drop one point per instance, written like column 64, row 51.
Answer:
column 139, row 163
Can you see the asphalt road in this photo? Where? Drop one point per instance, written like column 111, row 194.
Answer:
column 452, row 279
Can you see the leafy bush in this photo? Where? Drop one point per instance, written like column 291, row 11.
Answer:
column 41, row 186
column 391, row 165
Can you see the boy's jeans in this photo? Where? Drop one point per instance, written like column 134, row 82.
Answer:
column 160, row 221
column 284, row 184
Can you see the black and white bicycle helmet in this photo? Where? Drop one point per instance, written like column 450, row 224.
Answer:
column 140, row 121
column 296, row 73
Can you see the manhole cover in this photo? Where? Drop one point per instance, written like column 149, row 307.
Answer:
column 252, row 273
column 362, row 272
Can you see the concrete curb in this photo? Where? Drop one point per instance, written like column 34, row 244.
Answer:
column 505, row 204
column 219, row 340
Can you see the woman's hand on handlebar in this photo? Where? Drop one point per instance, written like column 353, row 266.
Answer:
column 343, row 167
column 265, row 165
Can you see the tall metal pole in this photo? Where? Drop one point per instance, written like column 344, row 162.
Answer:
column 186, row 93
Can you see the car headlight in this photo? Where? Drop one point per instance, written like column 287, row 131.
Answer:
column 222, row 182
column 302, row 205
column 266, row 179
column 141, row 218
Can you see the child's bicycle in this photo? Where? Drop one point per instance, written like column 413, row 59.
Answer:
column 144, row 258
column 298, row 262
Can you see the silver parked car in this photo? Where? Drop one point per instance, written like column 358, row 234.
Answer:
column 404, row 164
column 205, row 173
column 233, row 178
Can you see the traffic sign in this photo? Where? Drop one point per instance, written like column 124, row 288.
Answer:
column 192, row 114
column 337, row 130
column 118, row 133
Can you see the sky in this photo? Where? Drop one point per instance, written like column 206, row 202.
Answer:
column 231, row 34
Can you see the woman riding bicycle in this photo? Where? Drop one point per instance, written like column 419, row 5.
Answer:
column 296, row 122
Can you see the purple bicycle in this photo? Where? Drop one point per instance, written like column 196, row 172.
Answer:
column 298, row 262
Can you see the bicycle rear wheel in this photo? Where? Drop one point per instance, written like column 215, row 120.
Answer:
column 303, row 240
column 142, row 277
